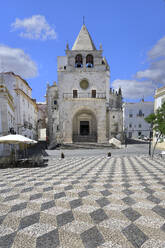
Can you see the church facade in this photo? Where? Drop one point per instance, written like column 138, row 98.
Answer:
column 81, row 106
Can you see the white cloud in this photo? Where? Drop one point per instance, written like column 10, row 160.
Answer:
column 158, row 50
column 15, row 60
column 156, row 70
column 146, row 81
column 35, row 27
column 133, row 89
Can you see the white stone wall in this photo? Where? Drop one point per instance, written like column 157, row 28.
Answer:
column 71, row 81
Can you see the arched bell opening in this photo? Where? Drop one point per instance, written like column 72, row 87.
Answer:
column 78, row 61
column 89, row 61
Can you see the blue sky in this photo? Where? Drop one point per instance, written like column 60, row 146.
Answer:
column 132, row 33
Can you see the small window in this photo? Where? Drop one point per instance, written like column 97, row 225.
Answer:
column 113, row 117
column 139, row 133
column 57, row 127
column 93, row 93
column 140, row 125
column 64, row 67
column 75, row 94
column 55, row 102
column 130, row 115
column 140, row 113
column 130, row 125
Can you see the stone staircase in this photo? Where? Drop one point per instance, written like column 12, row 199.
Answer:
column 84, row 145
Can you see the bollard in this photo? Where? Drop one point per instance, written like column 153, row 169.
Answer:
column 62, row 155
column 109, row 154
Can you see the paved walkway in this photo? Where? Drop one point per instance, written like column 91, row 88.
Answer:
column 84, row 203
column 130, row 150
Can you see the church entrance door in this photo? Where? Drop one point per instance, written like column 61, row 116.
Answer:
column 84, row 128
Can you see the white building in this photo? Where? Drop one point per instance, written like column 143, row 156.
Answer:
column 159, row 100
column 26, row 109
column 133, row 118
column 7, row 112
column 18, row 111
column 81, row 107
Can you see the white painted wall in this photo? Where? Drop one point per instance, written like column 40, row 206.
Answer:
column 24, row 109
column 133, row 123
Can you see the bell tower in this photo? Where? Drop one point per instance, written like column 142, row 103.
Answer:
column 83, row 80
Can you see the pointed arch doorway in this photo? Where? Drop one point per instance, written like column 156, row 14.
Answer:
column 84, row 126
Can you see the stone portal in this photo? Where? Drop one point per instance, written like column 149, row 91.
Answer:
column 84, row 127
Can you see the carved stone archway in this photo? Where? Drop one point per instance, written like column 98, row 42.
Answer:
column 84, row 126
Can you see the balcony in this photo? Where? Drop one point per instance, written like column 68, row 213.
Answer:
column 99, row 95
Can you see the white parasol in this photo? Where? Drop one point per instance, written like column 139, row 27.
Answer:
column 16, row 139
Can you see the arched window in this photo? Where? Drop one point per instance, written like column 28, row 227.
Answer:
column 140, row 113
column 89, row 61
column 78, row 61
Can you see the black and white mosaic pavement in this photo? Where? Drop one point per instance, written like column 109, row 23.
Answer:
column 88, row 202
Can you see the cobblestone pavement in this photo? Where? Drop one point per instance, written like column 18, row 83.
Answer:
column 84, row 203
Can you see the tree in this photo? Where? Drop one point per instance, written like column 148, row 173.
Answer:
column 157, row 121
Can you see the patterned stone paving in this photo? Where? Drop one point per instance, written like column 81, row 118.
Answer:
column 84, row 203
